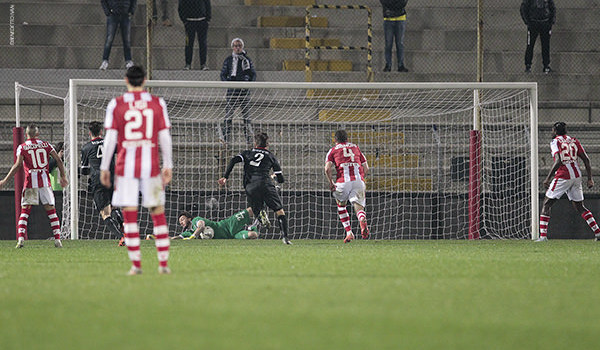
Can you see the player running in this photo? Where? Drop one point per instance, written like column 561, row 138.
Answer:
column 138, row 122
column 237, row 226
column 351, row 167
column 565, row 177
column 33, row 155
column 91, row 157
column 258, row 184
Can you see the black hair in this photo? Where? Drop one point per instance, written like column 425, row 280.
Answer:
column 560, row 128
column 261, row 139
column 95, row 128
column 135, row 75
column 341, row 136
column 59, row 146
column 184, row 213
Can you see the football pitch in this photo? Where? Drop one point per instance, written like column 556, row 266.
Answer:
column 312, row 295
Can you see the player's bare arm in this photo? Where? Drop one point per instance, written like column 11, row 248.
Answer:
column 13, row 170
column 588, row 169
column 105, row 178
column 61, row 167
column 365, row 168
column 328, row 173
column 167, row 176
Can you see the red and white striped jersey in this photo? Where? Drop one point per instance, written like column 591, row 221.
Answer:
column 568, row 149
column 36, row 154
column 137, row 117
column 348, row 160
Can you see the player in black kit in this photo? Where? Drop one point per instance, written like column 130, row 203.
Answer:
column 91, row 157
column 258, row 183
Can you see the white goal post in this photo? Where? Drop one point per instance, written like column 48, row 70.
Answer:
column 448, row 160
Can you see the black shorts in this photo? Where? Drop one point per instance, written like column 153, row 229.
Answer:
column 102, row 197
column 261, row 193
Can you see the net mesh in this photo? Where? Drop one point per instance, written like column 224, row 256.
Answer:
column 415, row 140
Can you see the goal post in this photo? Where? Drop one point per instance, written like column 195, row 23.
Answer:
column 426, row 179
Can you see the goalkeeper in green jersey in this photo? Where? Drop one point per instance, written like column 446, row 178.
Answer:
column 238, row 226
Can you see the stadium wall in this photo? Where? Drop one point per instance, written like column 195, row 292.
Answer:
column 565, row 223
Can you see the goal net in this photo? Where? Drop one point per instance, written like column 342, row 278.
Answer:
column 431, row 176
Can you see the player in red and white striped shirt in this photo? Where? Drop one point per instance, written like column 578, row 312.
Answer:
column 565, row 177
column 34, row 155
column 351, row 167
column 138, row 122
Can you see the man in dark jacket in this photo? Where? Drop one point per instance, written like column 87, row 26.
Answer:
column 195, row 15
column 538, row 16
column 394, row 23
column 237, row 67
column 118, row 14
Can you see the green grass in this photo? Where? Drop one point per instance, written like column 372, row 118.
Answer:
column 312, row 295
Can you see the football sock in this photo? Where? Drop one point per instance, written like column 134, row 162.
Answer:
column 283, row 224
column 113, row 226
column 22, row 224
column 161, row 238
column 132, row 237
column 544, row 225
column 344, row 218
column 54, row 223
column 362, row 218
column 589, row 218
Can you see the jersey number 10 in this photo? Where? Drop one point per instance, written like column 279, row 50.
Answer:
column 39, row 158
column 135, row 119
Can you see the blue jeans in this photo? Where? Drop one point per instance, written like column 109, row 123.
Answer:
column 112, row 23
column 394, row 31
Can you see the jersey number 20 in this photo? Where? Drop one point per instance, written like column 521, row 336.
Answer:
column 568, row 152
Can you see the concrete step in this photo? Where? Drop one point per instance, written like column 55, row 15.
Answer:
column 220, row 37
column 318, row 65
column 238, row 15
column 417, row 61
column 300, row 43
column 291, row 21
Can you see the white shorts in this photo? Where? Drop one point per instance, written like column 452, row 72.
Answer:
column 127, row 192
column 571, row 187
column 37, row 196
column 353, row 191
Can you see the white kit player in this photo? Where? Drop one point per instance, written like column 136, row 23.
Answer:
column 34, row 156
column 138, row 123
column 566, row 177
column 351, row 168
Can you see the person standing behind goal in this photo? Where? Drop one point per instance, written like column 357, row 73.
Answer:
column 33, row 155
column 567, row 179
column 351, row 168
column 259, row 187
column 138, row 122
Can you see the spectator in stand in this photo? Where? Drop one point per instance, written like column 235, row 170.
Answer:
column 164, row 8
column 394, row 23
column 195, row 15
column 237, row 67
column 118, row 14
column 53, row 171
column 538, row 16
